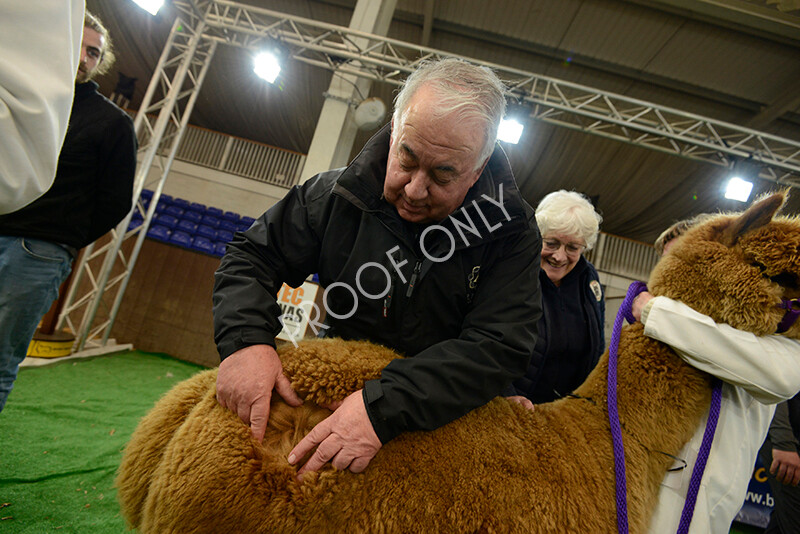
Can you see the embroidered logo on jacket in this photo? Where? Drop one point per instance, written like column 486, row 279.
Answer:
column 594, row 285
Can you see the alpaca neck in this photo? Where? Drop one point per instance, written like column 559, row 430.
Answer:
column 661, row 399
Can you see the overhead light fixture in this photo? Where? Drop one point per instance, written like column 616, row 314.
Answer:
column 510, row 131
column 267, row 66
column 738, row 189
column 151, row 6
column 742, row 176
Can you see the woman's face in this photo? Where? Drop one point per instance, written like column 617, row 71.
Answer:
column 560, row 254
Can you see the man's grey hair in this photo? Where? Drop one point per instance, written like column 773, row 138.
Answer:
column 461, row 87
column 569, row 213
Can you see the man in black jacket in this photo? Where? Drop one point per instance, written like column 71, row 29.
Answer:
column 423, row 244
column 91, row 193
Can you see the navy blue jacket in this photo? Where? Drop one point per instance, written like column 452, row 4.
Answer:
column 571, row 335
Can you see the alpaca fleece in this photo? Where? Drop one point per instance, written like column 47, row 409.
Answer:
column 192, row 466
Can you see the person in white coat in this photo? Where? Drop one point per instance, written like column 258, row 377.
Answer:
column 39, row 48
column 757, row 373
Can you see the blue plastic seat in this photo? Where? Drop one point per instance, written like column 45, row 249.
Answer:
column 180, row 238
column 224, row 236
column 245, row 223
column 174, row 210
column 219, row 249
column 202, row 244
column 187, row 226
column 214, row 212
column 210, row 220
column 231, row 216
column 194, row 216
column 158, row 232
column 228, row 225
column 163, row 203
column 134, row 223
column 207, row 231
column 196, row 206
column 181, row 202
column 169, row 221
column 146, row 193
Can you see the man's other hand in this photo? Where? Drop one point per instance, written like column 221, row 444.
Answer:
column 785, row 466
column 346, row 439
column 524, row 401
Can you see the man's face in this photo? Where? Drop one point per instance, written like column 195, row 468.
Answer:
column 91, row 52
column 432, row 162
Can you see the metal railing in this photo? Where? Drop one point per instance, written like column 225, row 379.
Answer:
column 237, row 156
column 623, row 257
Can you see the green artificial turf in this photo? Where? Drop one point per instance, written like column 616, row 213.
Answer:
column 62, row 433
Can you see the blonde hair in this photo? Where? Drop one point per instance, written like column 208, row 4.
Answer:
column 676, row 230
column 107, row 56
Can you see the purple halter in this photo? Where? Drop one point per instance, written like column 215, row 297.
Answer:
column 792, row 308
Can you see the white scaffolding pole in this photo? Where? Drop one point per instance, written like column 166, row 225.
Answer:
column 171, row 94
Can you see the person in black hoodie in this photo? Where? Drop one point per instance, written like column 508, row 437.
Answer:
column 571, row 330
column 423, row 244
column 91, row 193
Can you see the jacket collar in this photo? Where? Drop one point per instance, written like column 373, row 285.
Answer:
column 362, row 181
column 85, row 89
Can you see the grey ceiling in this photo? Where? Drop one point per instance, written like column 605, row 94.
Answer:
column 731, row 60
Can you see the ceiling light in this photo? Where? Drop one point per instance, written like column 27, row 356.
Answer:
column 510, row 131
column 738, row 189
column 151, row 6
column 266, row 66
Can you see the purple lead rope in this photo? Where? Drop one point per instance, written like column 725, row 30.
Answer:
column 702, row 458
column 613, row 415
column 625, row 312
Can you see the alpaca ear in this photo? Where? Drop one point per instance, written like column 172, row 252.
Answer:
column 756, row 216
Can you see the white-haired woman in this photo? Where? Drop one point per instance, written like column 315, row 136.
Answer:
column 571, row 337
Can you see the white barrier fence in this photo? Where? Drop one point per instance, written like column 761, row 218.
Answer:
column 240, row 157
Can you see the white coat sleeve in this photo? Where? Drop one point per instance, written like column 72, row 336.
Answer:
column 39, row 47
column 767, row 367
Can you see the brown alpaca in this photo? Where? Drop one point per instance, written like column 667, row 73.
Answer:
column 192, row 466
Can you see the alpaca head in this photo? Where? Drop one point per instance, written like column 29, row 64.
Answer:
column 737, row 267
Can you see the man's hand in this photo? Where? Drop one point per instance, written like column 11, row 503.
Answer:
column 638, row 304
column 346, row 439
column 519, row 399
column 245, row 381
column 785, row 466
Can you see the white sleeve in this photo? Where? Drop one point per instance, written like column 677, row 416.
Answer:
column 767, row 367
column 39, row 47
